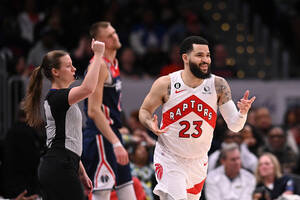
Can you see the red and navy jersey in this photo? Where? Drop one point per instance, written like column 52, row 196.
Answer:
column 111, row 106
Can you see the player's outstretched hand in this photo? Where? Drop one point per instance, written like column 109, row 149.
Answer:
column 244, row 104
column 154, row 126
column 98, row 47
column 121, row 155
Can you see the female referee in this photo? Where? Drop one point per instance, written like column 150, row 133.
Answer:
column 61, row 172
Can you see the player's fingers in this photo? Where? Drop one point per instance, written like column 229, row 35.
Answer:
column 252, row 99
column 161, row 131
column 246, row 94
column 155, row 118
column 164, row 130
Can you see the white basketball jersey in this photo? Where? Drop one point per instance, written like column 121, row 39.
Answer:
column 190, row 115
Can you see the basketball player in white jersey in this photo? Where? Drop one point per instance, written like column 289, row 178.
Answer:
column 190, row 99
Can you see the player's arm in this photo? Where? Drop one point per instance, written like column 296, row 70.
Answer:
column 96, row 114
column 157, row 96
column 88, row 85
column 234, row 119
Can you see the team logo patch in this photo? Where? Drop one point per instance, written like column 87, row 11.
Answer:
column 104, row 178
column 158, row 170
column 206, row 90
column 177, row 85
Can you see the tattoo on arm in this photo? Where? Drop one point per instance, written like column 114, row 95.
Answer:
column 223, row 91
column 165, row 99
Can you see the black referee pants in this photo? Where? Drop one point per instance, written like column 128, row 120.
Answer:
column 58, row 176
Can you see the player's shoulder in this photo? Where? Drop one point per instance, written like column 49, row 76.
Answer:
column 163, row 80
column 220, row 80
column 221, row 84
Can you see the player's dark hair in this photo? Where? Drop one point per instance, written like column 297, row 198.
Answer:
column 94, row 30
column 186, row 45
column 31, row 102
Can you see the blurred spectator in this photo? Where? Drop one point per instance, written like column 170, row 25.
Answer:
column 134, row 122
column 129, row 65
column 292, row 124
column 291, row 117
column 12, row 45
column 277, row 145
column 174, row 63
column 53, row 20
column 251, row 117
column 250, row 138
column 229, row 181
column 219, row 134
column 148, row 35
column 149, row 40
column 270, row 183
column 141, row 135
column 47, row 43
column 248, row 159
column 295, row 132
column 142, row 167
column 28, row 19
column 263, row 121
column 219, row 65
column 21, row 157
column 82, row 54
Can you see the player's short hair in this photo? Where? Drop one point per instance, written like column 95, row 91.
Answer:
column 94, row 30
column 186, row 45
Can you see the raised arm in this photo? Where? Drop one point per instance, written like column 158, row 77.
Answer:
column 234, row 119
column 90, row 81
column 158, row 94
column 96, row 114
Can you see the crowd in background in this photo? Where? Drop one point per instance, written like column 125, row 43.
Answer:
column 150, row 33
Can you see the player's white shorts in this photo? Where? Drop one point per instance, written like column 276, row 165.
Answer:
column 181, row 178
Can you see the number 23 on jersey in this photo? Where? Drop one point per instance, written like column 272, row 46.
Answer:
column 186, row 126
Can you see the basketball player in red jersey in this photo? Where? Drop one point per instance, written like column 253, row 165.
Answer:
column 190, row 99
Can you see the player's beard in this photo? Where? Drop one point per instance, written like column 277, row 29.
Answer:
column 197, row 72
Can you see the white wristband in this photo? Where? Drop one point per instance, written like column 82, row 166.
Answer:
column 234, row 119
column 118, row 144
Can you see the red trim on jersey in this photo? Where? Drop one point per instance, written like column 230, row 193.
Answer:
column 90, row 196
column 106, row 113
column 196, row 189
column 192, row 106
column 103, row 161
column 158, row 170
column 113, row 67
